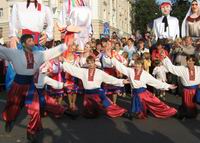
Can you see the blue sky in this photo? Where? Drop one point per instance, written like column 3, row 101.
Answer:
column 160, row 1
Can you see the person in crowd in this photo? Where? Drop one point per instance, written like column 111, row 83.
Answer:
column 156, row 52
column 111, row 90
column 159, row 72
column 118, row 48
column 71, row 90
column 130, row 48
column 141, row 48
column 185, row 49
column 147, row 61
column 124, row 41
column 135, row 56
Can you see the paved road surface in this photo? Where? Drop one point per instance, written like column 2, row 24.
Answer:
column 106, row 130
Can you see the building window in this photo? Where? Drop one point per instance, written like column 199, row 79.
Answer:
column 46, row 2
column 11, row 7
column 1, row 12
column 1, row 32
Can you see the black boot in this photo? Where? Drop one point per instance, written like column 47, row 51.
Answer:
column 72, row 114
column 128, row 115
column 9, row 126
column 181, row 113
column 91, row 113
column 180, row 116
column 31, row 137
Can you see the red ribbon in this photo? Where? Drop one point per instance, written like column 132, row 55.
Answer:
column 69, row 6
column 165, row 4
column 39, row 7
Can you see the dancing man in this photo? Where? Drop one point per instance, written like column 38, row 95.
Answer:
column 26, row 63
column 92, row 79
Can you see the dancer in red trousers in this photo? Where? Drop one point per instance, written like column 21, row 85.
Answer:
column 26, row 63
column 95, row 97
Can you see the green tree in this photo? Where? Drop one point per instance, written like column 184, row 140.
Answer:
column 145, row 12
column 180, row 9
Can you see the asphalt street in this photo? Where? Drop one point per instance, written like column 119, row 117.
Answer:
column 107, row 130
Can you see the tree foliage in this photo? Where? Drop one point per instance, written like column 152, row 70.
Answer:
column 180, row 9
column 145, row 12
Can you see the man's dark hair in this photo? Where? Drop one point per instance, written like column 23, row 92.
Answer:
column 114, row 32
column 131, row 39
column 141, row 40
column 28, row 3
column 25, row 37
column 104, row 40
column 58, row 42
column 90, row 58
column 157, row 62
column 191, row 57
column 98, row 42
column 159, row 42
column 139, row 61
column 118, row 43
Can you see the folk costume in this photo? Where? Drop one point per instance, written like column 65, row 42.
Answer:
column 30, row 18
column 95, row 96
column 143, row 100
column 22, row 92
column 190, row 80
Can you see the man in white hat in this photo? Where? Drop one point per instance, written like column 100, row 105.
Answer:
column 166, row 26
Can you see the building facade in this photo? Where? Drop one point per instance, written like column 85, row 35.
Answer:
column 117, row 13
column 4, row 17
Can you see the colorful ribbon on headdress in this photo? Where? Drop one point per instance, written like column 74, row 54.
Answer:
column 80, row 3
column 73, row 3
column 69, row 5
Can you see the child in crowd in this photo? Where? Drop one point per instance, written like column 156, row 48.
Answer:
column 160, row 73
column 147, row 61
column 135, row 56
